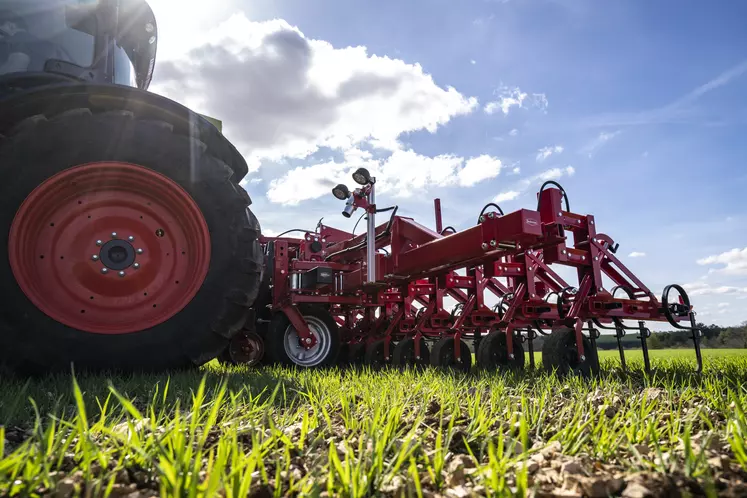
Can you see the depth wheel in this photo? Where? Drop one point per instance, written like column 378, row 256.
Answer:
column 492, row 354
column 374, row 356
column 442, row 355
column 124, row 246
column 559, row 354
column 285, row 344
column 404, row 354
column 244, row 349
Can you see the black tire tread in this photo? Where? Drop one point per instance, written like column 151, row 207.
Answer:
column 118, row 129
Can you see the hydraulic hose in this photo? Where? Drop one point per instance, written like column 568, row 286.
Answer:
column 489, row 204
column 562, row 190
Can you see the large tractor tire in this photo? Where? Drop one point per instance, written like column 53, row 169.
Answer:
column 123, row 246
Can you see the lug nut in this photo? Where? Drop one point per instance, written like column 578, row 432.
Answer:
column 95, row 257
column 493, row 243
column 114, row 235
column 131, row 238
column 98, row 243
column 105, row 270
column 136, row 265
column 308, row 340
column 583, row 358
column 511, row 356
column 140, row 251
column 121, row 274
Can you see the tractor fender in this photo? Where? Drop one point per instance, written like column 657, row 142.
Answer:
column 54, row 99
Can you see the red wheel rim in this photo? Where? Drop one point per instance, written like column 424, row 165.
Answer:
column 67, row 260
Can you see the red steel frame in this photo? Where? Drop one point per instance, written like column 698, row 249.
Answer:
column 421, row 267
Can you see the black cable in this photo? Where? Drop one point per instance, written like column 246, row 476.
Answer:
column 295, row 230
column 486, row 207
column 562, row 190
column 387, row 252
column 362, row 244
column 359, row 220
column 453, row 230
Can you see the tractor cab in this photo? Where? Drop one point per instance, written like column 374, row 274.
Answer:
column 97, row 41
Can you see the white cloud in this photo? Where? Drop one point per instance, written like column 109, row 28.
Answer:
column 399, row 175
column 546, row 152
column 524, row 184
column 506, row 196
column 552, row 174
column 478, row 169
column 514, row 97
column 513, row 132
column 593, row 146
column 473, row 62
column 734, row 261
column 705, row 289
column 516, row 170
column 637, row 254
column 724, row 305
column 282, row 95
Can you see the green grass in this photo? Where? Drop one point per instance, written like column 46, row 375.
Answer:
column 280, row 432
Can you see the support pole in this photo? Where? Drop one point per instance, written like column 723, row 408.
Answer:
column 696, row 342
column 643, row 334
column 439, row 220
column 619, row 334
column 371, row 237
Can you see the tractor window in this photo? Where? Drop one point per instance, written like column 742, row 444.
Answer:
column 124, row 72
column 34, row 31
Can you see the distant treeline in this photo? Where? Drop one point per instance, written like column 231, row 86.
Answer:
column 714, row 337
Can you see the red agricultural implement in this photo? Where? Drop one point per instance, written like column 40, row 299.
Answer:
column 129, row 243
column 379, row 298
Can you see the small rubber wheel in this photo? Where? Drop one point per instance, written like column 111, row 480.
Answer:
column 244, row 349
column 442, row 355
column 283, row 340
column 404, row 354
column 559, row 354
column 492, row 354
column 374, row 356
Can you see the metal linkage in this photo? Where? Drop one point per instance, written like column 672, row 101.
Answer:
column 387, row 289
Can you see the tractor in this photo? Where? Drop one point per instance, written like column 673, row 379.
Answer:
column 127, row 241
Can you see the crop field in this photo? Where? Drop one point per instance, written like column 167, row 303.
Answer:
column 280, row 432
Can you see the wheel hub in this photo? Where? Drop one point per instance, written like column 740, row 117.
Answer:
column 117, row 255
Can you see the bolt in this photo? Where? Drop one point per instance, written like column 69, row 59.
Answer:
column 95, row 257
column 583, row 258
column 596, row 258
column 564, row 251
column 131, row 238
column 484, row 246
column 482, row 218
column 560, row 214
column 493, row 243
column 136, row 265
column 491, row 215
column 114, row 235
column 601, row 289
column 511, row 356
column 121, row 274
column 583, row 358
column 98, row 242
column 592, row 222
column 308, row 340
column 140, row 251
column 417, row 358
column 105, row 270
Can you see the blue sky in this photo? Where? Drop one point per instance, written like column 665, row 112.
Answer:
column 641, row 104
